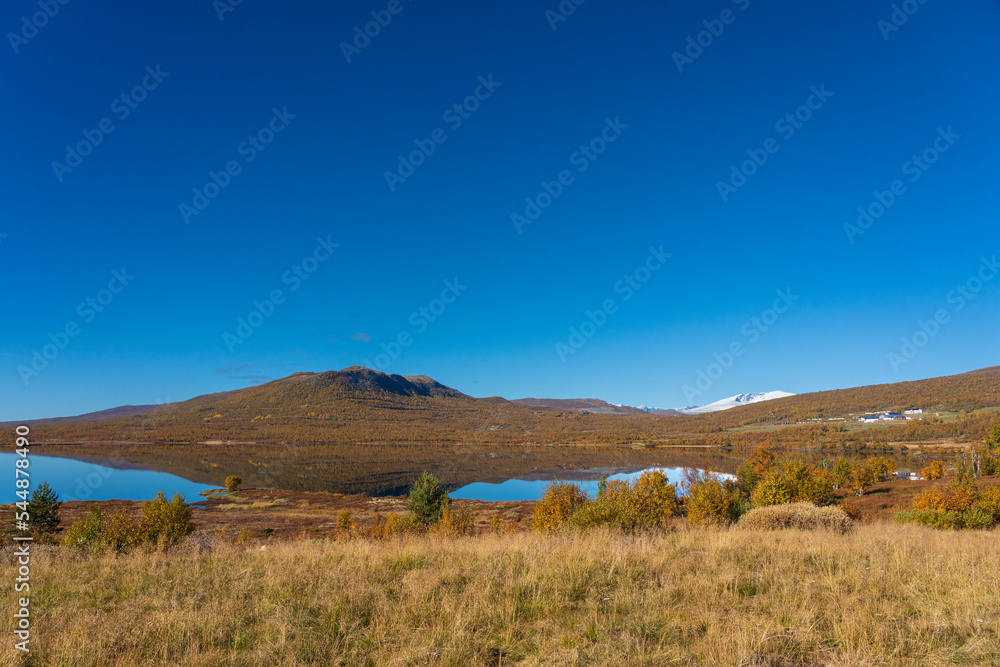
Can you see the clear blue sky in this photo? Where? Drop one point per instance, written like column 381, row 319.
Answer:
column 544, row 93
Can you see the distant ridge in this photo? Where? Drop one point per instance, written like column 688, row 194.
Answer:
column 122, row 411
column 578, row 405
column 358, row 405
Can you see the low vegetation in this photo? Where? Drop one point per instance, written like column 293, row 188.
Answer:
column 800, row 516
column 884, row 594
column 160, row 522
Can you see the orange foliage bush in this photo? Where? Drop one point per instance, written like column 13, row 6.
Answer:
column 559, row 502
column 934, row 470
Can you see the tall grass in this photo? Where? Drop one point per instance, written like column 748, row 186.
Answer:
column 884, row 594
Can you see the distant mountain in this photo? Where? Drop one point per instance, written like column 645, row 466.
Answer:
column 734, row 402
column 122, row 411
column 578, row 405
column 360, row 405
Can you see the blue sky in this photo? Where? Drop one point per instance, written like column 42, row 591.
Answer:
column 592, row 119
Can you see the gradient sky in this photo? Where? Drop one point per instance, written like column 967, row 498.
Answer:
column 162, row 336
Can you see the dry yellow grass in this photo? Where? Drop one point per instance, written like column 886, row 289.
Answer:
column 881, row 595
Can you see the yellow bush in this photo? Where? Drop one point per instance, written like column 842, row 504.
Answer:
column 456, row 521
column 989, row 501
column 710, row 501
column 934, row 470
column 959, row 506
column 558, row 503
column 932, row 499
column 794, row 482
column 344, row 521
column 122, row 531
column 654, row 498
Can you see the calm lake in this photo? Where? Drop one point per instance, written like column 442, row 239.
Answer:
column 105, row 471
column 81, row 480
column 522, row 489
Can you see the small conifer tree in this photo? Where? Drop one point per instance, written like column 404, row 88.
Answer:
column 43, row 509
column 425, row 500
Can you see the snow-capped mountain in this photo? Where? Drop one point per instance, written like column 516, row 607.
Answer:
column 734, row 402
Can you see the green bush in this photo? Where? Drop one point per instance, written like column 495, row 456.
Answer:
column 802, row 516
column 425, row 500
column 87, row 531
column 944, row 519
column 171, row 520
column 120, row 530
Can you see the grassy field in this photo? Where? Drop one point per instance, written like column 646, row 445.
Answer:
column 881, row 595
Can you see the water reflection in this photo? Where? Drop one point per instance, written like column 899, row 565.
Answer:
column 522, row 489
column 81, row 480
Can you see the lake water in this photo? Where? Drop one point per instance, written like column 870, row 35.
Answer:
column 81, row 480
column 520, row 489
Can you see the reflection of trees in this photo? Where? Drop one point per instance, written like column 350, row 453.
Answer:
column 389, row 469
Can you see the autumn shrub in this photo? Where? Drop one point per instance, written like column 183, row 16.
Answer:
column 558, row 503
column 841, row 472
column 233, row 483
column 794, row 482
column 654, row 499
column 86, row 532
column 383, row 527
column 747, row 478
column 989, row 464
column 344, row 521
column 649, row 502
column 881, row 467
column 851, row 509
column 802, row 516
column 933, row 470
column 168, row 520
column 121, row 531
column 710, row 500
column 456, row 521
column 962, row 505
